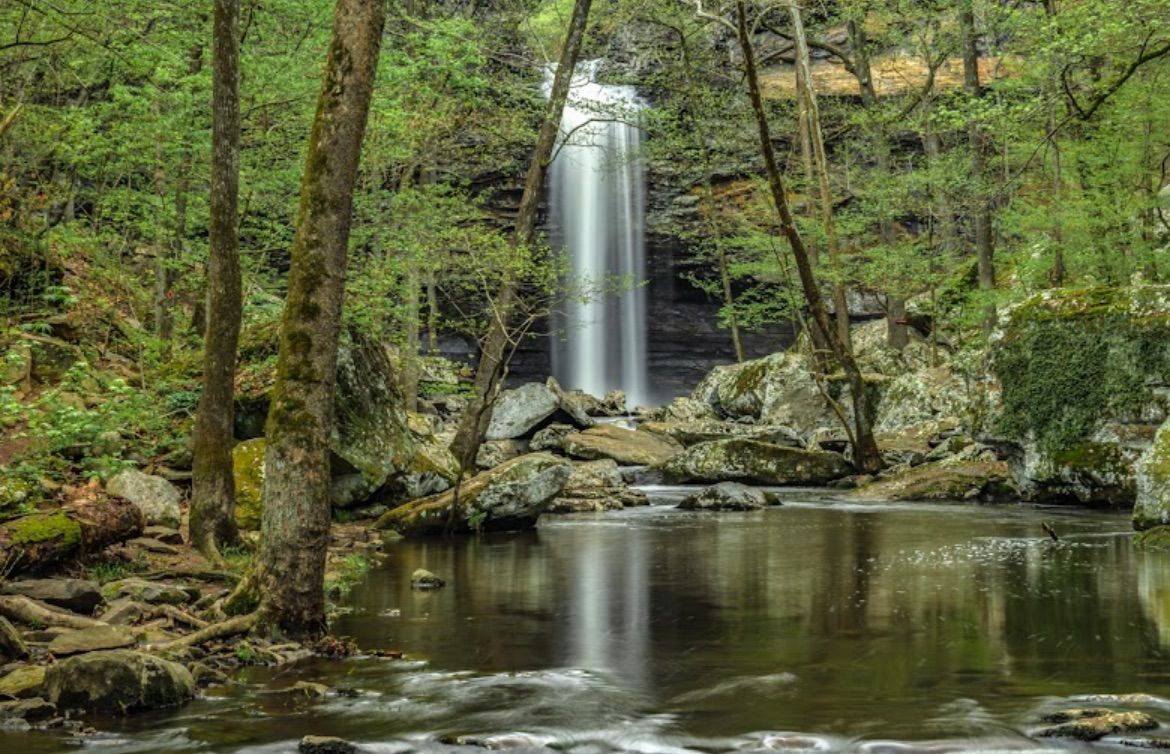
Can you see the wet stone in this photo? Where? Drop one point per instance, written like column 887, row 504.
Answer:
column 325, row 745
column 424, row 579
column 1091, row 724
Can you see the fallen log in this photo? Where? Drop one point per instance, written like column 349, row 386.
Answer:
column 17, row 607
column 90, row 523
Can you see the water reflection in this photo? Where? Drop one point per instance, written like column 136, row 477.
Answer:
column 810, row 627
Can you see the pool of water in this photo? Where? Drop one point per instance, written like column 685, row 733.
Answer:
column 874, row 629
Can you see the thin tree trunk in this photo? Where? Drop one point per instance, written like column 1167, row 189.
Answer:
column 840, row 303
column 977, row 140
column 296, row 517
column 866, row 454
column 213, row 497
column 489, row 373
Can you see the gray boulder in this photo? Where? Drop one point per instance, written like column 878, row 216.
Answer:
column 758, row 462
column 517, row 412
column 509, row 497
column 157, row 498
column 118, row 681
column 75, row 595
column 726, row 496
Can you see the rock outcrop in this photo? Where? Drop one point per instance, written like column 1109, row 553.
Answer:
column 1083, row 382
column 596, row 486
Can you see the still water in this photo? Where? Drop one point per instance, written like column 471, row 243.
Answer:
column 816, row 625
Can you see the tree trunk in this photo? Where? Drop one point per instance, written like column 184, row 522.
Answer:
column 817, row 139
column 213, row 494
column 296, row 517
column 44, row 540
column 866, row 454
column 489, row 372
column 977, row 141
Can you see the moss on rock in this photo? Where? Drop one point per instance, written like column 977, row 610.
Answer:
column 943, row 481
column 49, row 527
column 754, row 461
column 248, row 470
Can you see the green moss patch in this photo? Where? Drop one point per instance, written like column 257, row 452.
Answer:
column 53, row 527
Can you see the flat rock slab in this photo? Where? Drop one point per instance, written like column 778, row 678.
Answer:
column 153, row 545
column 92, row 640
column 75, row 595
column 164, row 534
column 626, row 446
column 154, row 593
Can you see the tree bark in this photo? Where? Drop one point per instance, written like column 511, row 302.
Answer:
column 866, row 454
column 39, row 541
column 492, row 361
column 296, row 517
column 977, row 142
column 813, row 120
column 213, row 495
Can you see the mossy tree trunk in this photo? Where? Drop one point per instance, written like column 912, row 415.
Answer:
column 213, row 498
column 866, row 453
column 489, row 373
column 41, row 541
column 296, row 517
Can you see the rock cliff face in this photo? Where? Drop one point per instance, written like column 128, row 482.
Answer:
column 1083, row 385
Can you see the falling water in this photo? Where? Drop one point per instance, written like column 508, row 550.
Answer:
column 596, row 201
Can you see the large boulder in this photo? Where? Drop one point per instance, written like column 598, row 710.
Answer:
column 1080, row 391
column 371, row 434
column 118, row 681
column 517, row 412
column 371, row 442
column 596, row 486
column 626, row 446
column 753, row 461
column 1152, row 507
column 725, row 496
column 157, row 498
column 777, row 389
column 76, row 595
column 511, row 496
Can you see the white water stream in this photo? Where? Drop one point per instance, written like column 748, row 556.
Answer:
column 596, row 202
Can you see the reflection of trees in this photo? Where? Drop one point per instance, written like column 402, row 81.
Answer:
column 880, row 615
column 1153, row 587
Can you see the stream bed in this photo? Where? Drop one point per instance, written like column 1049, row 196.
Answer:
column 815, row 626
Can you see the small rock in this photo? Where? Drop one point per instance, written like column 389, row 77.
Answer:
column 1093, row 723
column 157, row 498
column 24, row 682
column 124, row 612
column 30, row 710
column 325, row 745
column 726, row 496
column 92, row 640
column 424, row 579
column 12, row 644
column 118, row 681
column 72, row 594
column 164, row 534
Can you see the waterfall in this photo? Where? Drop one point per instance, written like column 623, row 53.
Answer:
column 596, row 207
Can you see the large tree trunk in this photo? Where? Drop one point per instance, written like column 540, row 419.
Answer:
column 213, row 495
column 44, row 540
column 866, row 453
column 490, row 371
column 295, row 522
column 978, row 144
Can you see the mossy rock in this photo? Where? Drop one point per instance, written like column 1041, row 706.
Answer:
column 45, row 527
column 944, row 481
column 754, row 461
column 1070, row 360
column 248, row 470
column 1152, row 506
column 1155, row 538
